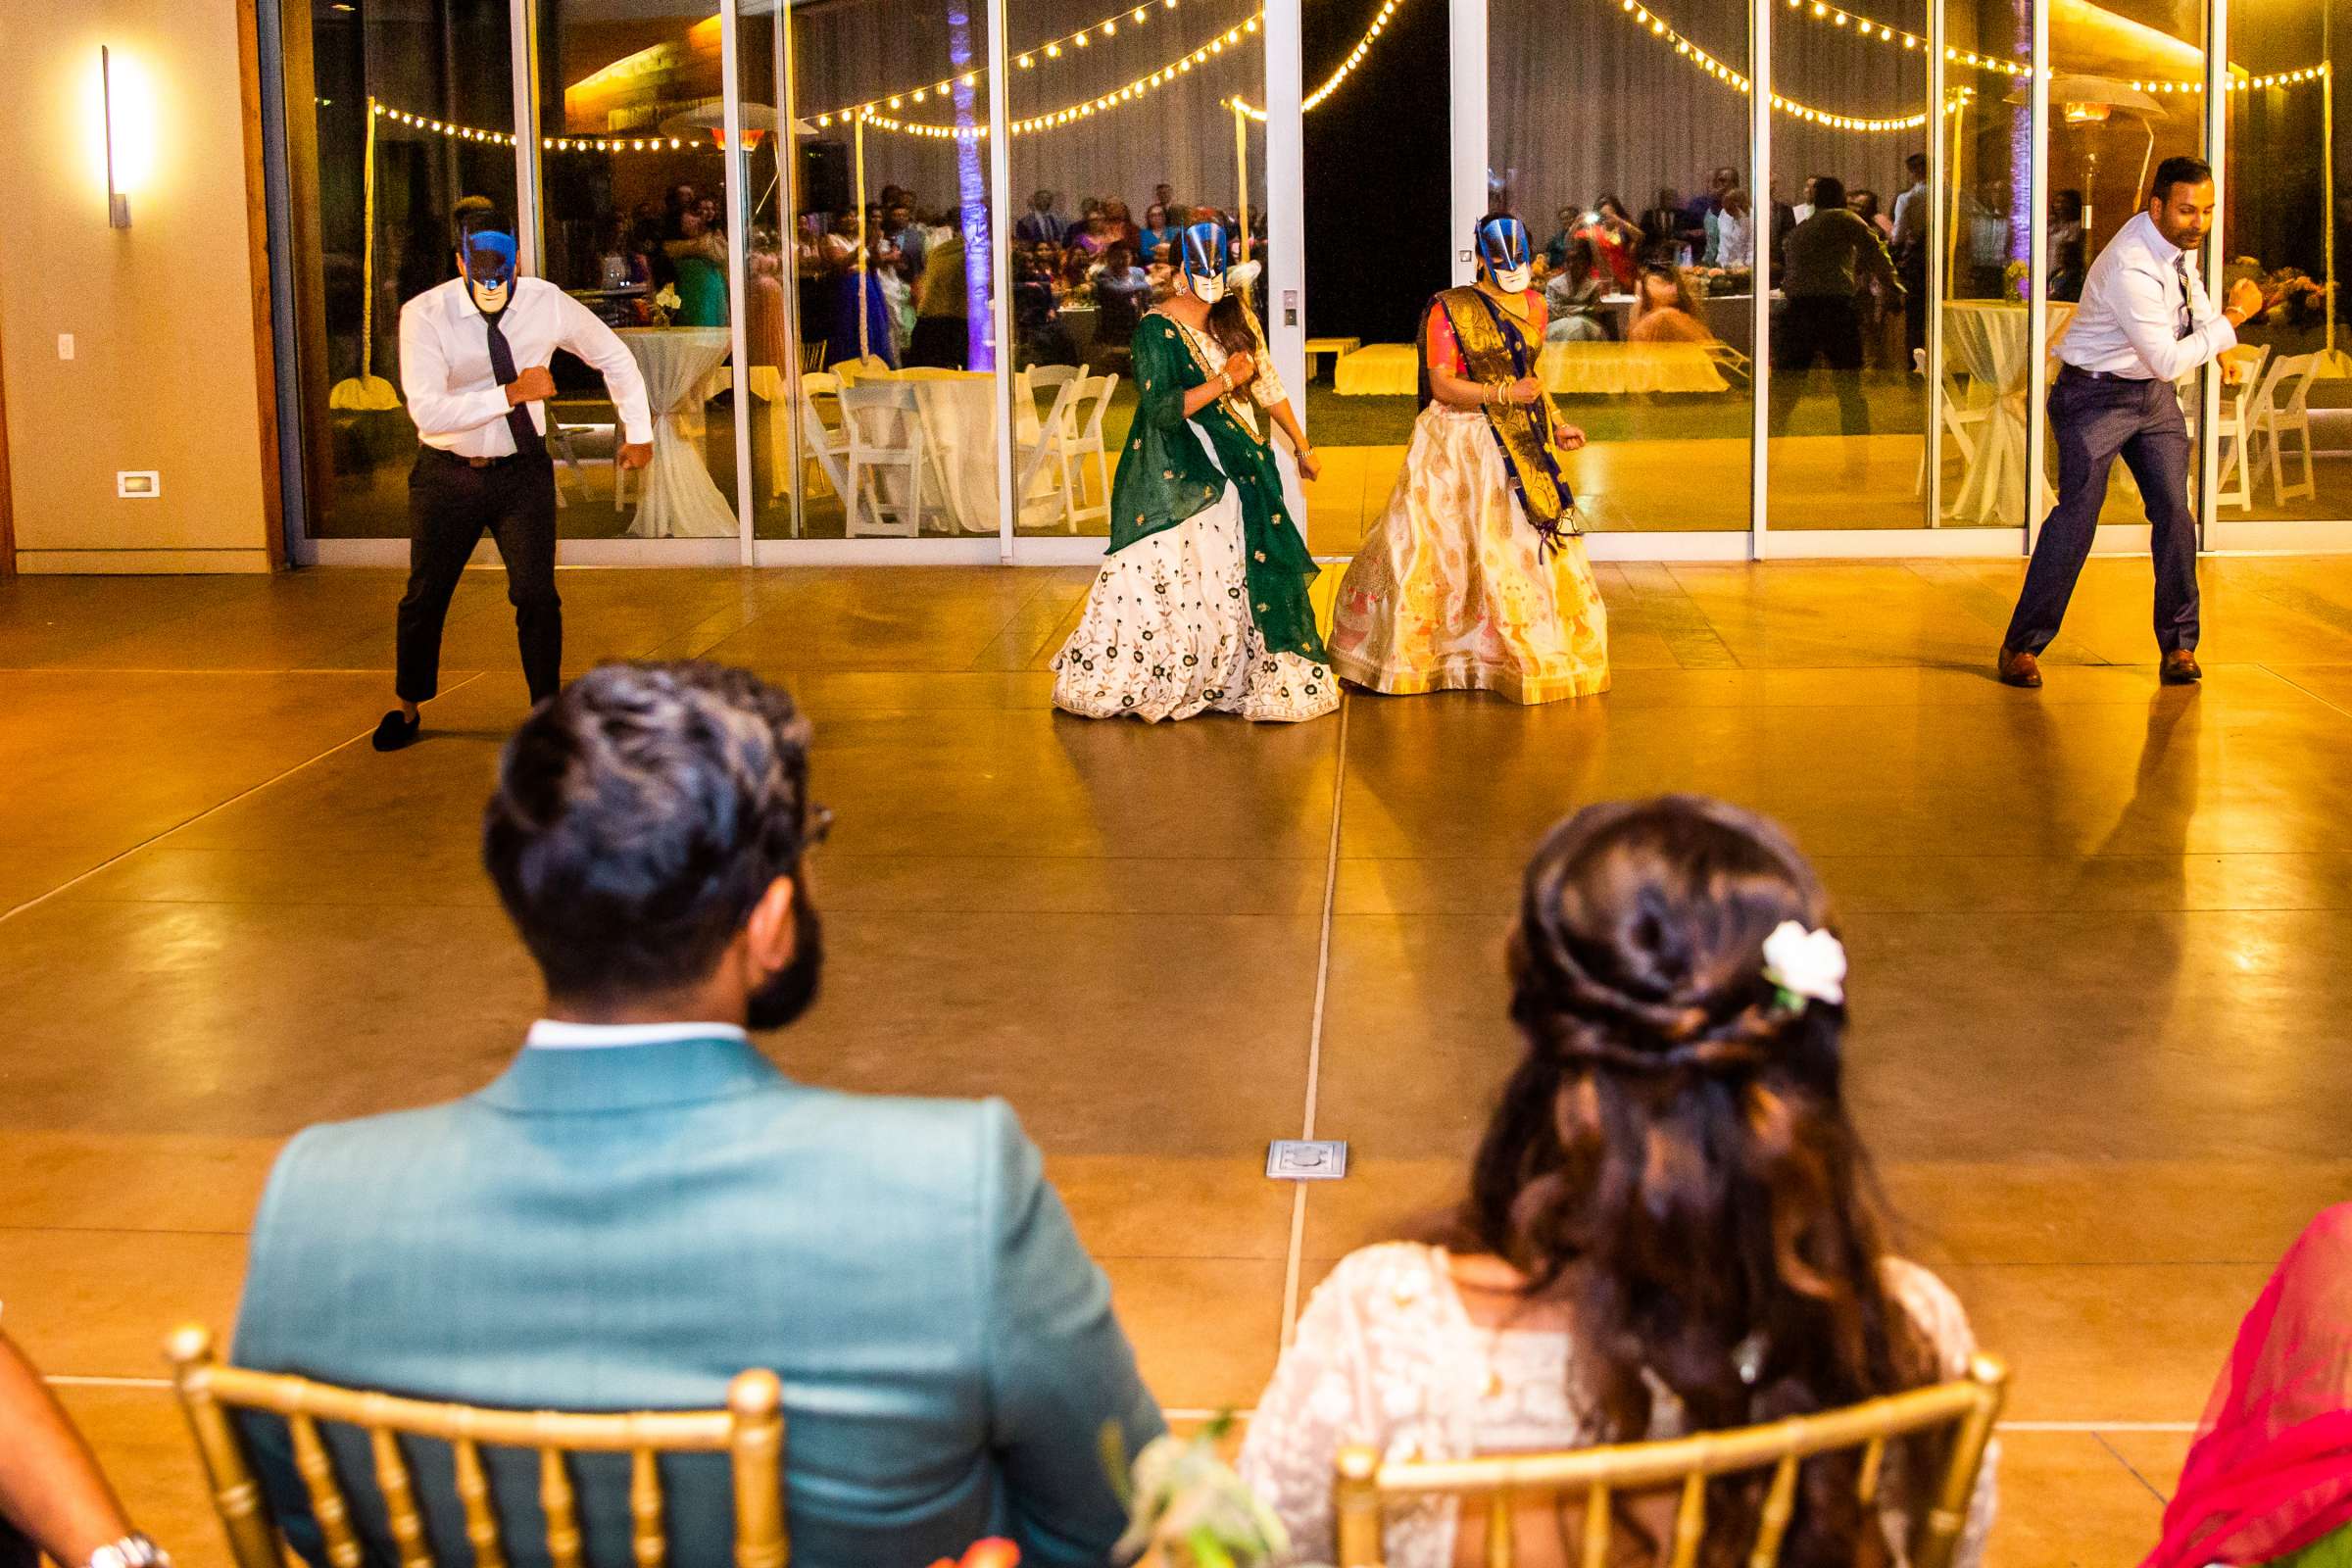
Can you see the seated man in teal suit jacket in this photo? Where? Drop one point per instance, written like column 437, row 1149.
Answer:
column 641, row 1206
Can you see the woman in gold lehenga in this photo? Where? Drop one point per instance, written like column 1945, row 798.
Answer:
column 1475, row 576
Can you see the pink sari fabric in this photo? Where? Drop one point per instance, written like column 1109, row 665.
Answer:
column 2271, row 1472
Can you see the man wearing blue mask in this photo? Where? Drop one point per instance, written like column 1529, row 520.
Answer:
column 473, row 368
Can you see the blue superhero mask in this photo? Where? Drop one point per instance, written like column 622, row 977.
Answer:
column 1201, row 253
column 489, row 257
column 1506, row 252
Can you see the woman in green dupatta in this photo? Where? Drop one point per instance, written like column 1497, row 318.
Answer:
column 1202, row 601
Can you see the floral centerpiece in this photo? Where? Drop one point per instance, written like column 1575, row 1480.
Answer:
column 665, row 302
column 1186, row 1508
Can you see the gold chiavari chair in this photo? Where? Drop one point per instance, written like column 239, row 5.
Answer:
column 750, row 1430
column 1595, row 1476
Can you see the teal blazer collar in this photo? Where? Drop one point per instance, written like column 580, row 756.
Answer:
column 683, row 1072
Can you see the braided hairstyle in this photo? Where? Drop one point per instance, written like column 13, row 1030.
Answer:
column 1672, row 1160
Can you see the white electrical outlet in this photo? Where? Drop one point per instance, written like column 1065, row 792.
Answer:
column 64, row 345
column 139, row 484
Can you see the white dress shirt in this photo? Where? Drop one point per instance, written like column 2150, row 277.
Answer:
column 550, row 1034
column 1911, row 212
column 445, row 371
column 1735, row 241
column 2138, row 295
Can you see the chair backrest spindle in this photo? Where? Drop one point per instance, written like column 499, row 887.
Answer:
column 647, row 1543
column 1780, row 1506
column 750, row 1430
column 328, row 1503
column 557, row 1502
column 481, row 1516
column 1966, row 1408
column 1691, row 1520
column 1598, row 1514
column 399, row 1500
column 1501, row 1553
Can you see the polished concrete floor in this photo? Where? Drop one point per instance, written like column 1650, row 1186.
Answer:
column 2099, row 939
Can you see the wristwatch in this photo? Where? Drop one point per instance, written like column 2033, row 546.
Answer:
column 134, row 1550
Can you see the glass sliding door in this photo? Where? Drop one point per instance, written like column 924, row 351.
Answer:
column 1977, row 242
column 1849, row 410
column 1127, row 126
column 1379, row 237
column 1620, row 134
column 633, row 222
column 2284, row 426
column 890, row 385
column 2127, row 92
column 396, row 112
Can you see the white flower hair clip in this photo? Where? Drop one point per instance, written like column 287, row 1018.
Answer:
column 1805, row 966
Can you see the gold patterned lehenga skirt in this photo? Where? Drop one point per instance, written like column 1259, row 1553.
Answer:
column 1449, row 591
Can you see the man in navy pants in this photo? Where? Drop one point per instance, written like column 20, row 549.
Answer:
column 2143, row 323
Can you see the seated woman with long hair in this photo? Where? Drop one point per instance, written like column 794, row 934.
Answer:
column 1665, row 308
column 1669, row 1228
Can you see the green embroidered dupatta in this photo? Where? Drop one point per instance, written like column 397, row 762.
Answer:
column 1165, row 477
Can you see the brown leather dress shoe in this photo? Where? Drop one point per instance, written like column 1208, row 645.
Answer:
column 2180, row 668
column 2017, row 669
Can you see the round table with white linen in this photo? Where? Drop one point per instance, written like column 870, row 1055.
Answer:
column 959, row 414
column 1568, row 368
column 1990, row 341
column 676, row 497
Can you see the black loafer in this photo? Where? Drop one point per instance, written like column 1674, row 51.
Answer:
column 395, row 730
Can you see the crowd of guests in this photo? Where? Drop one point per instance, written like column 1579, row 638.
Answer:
column 913, row 289
column 1668, row 1225
column 1850, row 266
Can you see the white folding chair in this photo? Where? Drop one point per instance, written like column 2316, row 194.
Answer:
column 884, row 423
column 2282, row 408
column 1029, row 457
column 562, row 441
column 1080, row 436
column 1957, row 416
column 1052, row 377
column 826, row 446
column 2233, row 425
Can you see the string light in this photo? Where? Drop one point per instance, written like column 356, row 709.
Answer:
column 1331, row 84
column 1084, row 109
column 1025, row 58
column 1658, row 28
column 1877, row 32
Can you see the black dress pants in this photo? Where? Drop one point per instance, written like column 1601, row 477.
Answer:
column 450, row 503
column 2093, row 422
column 1827, row 328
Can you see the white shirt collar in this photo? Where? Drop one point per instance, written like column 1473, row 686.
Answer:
column 2163, row 250
column 549, row 1035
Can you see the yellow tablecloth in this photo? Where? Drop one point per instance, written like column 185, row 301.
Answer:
column 1379, row 371
column 1614, row 369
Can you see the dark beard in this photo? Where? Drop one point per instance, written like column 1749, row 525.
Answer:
column 783, row 997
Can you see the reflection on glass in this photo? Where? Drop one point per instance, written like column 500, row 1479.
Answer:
column 1849, row 417
column 635, row 224
column 413, row 111
column 1126, row 132
column 2125, row 95
column 1987, row 372
column 879, row 414
column 2287, row 150
column 1647, row 244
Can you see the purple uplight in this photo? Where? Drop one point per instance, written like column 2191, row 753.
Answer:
column 971, row 191
column 2020, row 146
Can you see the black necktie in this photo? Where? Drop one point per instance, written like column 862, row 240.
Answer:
column 528, row 439
column 2188, row 314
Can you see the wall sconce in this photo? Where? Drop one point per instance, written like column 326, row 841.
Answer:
column 117, row 204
